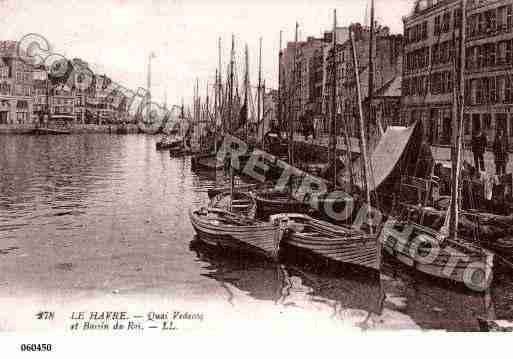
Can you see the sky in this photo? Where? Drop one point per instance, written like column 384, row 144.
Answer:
column 116, row 36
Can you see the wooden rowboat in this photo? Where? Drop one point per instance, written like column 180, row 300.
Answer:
column 221, row 228
column 51, row 131
column 423, row 249
column 236, row 202
column 271, row 202
column 207, row 161
column 167, row 144
column 336, row 243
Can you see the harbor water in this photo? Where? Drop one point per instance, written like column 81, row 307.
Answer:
column 101, row 221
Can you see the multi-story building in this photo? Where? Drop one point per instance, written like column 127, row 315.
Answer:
column 41, row 94
column 432, row 35
column 16, row 86
column 489, row 62
column 307, row 92
column 62, row 103
column 309, row 52
column 387, row 70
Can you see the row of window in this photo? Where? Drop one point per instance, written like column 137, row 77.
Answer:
column 489, row 90
column 437, row 84
column 443, row 22
column 23, row 76
column 489, row 22
column 489, row 55
column 417, row 59
column 441, row 54
column 63, row 109
column 21, row 90
column 416, row 33
column 442, row 25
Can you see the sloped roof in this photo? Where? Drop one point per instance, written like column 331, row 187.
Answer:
column 391, row 88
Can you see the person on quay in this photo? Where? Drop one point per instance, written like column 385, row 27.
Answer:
column 479, row 143
column 500, row 153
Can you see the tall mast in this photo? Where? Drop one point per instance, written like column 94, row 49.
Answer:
column 246, row 90
column 280, row 100
column 196, row 109
column 232, row 175
column 148, row 104
column 220, row 84
column 259, row 90
column 333, row 127
column 292, row 116
column 457, row 126
column 230, row 99
column 263, row 112
column 363, row 142
column 371, row 75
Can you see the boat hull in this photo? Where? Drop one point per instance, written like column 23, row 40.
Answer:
column 253, row 236
column 271, row 203
column 446, row 259
column 162, row 146
column 335, row 243
column 206, row 162
column 51, row 131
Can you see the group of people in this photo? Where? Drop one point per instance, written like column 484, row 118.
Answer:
column 500, row 149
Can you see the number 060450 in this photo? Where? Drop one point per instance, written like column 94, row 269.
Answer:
column 36, row 347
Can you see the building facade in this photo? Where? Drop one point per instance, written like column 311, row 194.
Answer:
column 16, row 86
column 387, row 71
column 489, row 62
column 431, row 36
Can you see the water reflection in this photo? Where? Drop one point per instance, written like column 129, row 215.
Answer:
column 352, row 298
column 259, row 278
column 101, row 212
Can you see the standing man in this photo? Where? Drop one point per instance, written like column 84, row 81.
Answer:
column 478, row 149
column 500, row 153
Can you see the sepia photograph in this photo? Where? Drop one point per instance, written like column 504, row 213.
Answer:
column 186, row 168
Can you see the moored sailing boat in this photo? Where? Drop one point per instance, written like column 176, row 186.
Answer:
column 274, row 202
column 328, row 241
column 341, row 244
column 436, row 253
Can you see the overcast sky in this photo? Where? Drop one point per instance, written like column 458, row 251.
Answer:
column 116, row 36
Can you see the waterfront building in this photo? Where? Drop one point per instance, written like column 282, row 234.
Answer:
column 41, row 94
column 62, row 103
column 310, row 75
column 431, row 35
column 309, row 52
column 489, row 62
column 16, row 86
column 387, row 74
column 270, row 109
